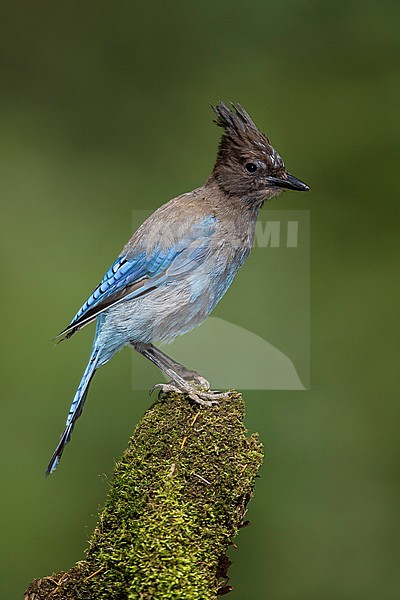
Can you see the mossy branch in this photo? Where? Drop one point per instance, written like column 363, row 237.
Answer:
column 177, row 500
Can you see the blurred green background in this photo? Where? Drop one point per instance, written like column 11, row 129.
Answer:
column 103, row 110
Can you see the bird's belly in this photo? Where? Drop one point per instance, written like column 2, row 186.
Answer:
column 166, row 312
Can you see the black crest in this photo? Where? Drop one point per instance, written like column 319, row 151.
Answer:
column 237, row 122
column 242, row 138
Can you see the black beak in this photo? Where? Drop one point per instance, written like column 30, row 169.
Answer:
column 291, row 183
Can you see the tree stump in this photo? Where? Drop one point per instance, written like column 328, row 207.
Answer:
column 177, row 500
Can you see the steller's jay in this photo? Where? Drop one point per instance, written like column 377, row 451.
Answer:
column 181, row 261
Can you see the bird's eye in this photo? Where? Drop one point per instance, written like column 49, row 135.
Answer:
column 251, row 167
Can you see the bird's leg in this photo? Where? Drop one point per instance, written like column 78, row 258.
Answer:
column 178, row 383
column 181, row 370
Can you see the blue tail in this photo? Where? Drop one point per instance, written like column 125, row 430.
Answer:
column 75, row 411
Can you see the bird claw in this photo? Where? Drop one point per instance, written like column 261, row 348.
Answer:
column 200, row 396
column 201, row 382
column 193, row 378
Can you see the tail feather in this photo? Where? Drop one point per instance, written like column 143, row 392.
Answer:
column 75, row 411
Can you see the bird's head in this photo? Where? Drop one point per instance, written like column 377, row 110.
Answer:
column 247, row 165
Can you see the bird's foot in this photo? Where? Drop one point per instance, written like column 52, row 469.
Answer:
column 199, row 381
column 196, row 393
column 192, row 378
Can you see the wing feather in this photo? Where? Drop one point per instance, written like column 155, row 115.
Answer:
column 135, row 275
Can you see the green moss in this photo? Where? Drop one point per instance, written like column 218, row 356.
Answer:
column 177, row 500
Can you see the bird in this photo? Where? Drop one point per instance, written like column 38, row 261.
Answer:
column 181, row 261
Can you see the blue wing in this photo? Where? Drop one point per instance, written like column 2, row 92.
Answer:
column 134, row 275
